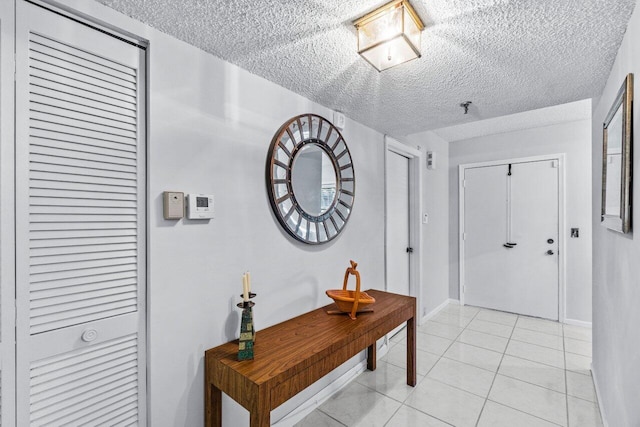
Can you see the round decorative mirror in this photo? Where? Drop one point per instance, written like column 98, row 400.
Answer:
column 310, row 179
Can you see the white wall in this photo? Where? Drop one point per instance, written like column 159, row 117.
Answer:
column 571, row 138
column 616, row 266
column 209, row 129
column 435, row 234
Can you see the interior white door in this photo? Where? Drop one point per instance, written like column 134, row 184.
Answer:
column 80, row 224
column 398, row 238
column 511, row 238
column 534, row 227
column 485, row 233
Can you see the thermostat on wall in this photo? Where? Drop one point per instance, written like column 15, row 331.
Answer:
column 199, row 206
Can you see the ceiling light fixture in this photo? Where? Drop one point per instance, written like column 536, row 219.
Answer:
column 390, row 35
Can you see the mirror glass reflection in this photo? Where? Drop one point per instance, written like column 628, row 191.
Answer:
column 313, row 179
column 614, row 165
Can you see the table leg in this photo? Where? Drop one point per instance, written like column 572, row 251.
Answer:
column 212, row 406
column 260, row 415
column 411, row 352
column 371, row 356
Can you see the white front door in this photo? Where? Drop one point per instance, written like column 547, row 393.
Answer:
column 80, row 224
column 398, row 238
column 511, row 238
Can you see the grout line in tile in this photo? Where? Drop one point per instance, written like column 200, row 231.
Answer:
column 490, row 333
column 458, row 388
column 535, row 385
column 393, row 415
column 334, row 419
column 577, row 339
column 384, row 395
column 542, row 332
column 535, row 361
column 539, row 345
column 426, row 413
column 497, row 323
column 403, row 403
column 582, row 398
column 578, row 354
column 495, row 376
column 465, row 363
column 523, row 412
column 588, row 374
column 477, row 346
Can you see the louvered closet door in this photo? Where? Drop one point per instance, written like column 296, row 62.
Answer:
column 79, row 224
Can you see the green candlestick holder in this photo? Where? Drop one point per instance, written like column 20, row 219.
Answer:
column 247, row 331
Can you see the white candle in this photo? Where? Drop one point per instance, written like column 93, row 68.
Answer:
column 245, row 288
column 249, row 281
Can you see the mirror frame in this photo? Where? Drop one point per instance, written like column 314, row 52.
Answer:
column 289, row 140
column 624, row 99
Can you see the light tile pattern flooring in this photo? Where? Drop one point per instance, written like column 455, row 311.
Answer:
column 476, row 367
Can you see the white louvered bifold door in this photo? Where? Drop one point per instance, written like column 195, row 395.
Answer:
column 80, row 224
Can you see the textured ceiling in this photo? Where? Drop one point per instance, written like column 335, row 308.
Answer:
column 506, row 56
column 579, row 110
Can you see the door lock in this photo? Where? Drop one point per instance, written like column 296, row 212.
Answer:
column 550, row 241
column 549, row 252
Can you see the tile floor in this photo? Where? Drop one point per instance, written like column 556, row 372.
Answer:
column 476, row 367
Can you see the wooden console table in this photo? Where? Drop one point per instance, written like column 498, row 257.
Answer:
column 292, row 355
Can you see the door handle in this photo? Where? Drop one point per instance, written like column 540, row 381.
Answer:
column 409, row 250
column 509, row 245
column 89, row 335
column 549, row 252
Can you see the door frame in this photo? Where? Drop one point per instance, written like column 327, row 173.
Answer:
column 560, row 158
column 7, row 214
column 415, row 207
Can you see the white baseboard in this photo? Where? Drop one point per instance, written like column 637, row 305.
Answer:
column 437, row 310
column 323, row 395
column 577, row 323
column 598, row 394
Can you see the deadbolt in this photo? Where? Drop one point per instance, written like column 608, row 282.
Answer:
column 550, row 241
column 549, row 252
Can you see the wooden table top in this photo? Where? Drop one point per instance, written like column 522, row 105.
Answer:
column 290, row 347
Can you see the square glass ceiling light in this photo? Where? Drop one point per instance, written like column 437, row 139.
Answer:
column 390, row 35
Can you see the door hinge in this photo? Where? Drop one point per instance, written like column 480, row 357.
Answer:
column 464, row 236
column 464, row 183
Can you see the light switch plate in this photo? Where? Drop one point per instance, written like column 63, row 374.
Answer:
column 339, row 120
column 431, row 160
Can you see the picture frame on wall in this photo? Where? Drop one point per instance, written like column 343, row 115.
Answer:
column 617, row 143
